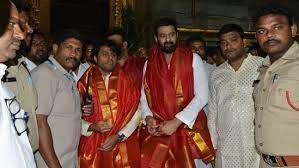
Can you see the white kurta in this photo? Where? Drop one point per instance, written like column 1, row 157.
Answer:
column 231, row 114
column 82, row 68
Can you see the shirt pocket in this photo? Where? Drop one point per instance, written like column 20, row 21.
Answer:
column 285, row 94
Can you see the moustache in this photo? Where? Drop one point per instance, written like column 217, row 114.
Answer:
column 271, row 41
column 74, row 59
column 168, row 43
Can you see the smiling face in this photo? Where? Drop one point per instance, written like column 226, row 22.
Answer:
column 275, row 34
column 69, row 53
column 10, row 40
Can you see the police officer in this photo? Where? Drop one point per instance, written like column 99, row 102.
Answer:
column 276, row 90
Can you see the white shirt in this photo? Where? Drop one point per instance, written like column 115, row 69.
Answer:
column 189, row 114
column 209, row 69
column 127, row 130
column 231, row 114
column 29, row 64
column 82, row 68
column 15, row 150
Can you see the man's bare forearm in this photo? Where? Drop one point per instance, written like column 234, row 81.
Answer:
column 46, row 148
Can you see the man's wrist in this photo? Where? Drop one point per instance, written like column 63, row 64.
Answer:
column 178, row 121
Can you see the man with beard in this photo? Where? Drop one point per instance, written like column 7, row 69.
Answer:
column 19, row 81
column 174, row 92
column 276, row 92
column 231, row 110
column 59, row 109
column 37, row 50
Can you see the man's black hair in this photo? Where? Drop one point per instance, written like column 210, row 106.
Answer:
column 165, row 22
column 37, row 33
column 5, row 14
column 117, row 31
column 196, row 38
column 19, row 4
column 108, row 43
column 231, row 28
column 67, row 34
column 272, row 9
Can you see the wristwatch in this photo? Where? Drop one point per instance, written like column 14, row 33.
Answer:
column 120, row 137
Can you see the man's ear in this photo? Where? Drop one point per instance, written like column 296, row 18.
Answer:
column 54, row 48
column 156, row 39
column 294, row 28
column 125, row 44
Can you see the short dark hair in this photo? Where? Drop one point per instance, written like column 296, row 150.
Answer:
column 231, row 28
column 117, row 31
column 37, row 32
column 20, row 4
column 5, row 14
column 166, row 21
column 105, row 42
column 25, row 48
column 196, row 38
column 25, row 7
column 67, row 34
column 272, row 9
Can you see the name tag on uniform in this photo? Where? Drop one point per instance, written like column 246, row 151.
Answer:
column 8, row 79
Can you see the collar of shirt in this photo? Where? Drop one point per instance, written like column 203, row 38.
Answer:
column 69, row 75
column 244, row 62
column 82, row 68
column 29, row 64
column 292, row 52
column 106, row 80
column 56, row 65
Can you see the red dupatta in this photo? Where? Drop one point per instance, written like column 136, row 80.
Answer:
column 168, row 91
column 134, row 67
column 117, row 106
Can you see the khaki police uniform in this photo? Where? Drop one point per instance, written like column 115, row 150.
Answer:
column 19, row 81
column 276, row 96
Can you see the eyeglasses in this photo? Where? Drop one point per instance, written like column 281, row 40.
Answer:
column 18, row 116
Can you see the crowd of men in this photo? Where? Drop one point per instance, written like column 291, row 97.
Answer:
column 94, row 104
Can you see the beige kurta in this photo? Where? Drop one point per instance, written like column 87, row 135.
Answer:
column 276, row 97
column 25, row 92
column 58, row 98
